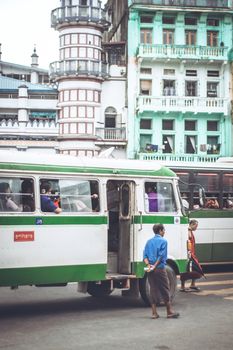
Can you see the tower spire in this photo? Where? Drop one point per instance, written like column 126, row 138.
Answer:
column 34, row 57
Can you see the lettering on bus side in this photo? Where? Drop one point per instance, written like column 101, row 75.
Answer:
column 24, row 236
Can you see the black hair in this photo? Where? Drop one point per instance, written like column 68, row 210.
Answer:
column 157, row 228
column 4, row 186
column 45, row 187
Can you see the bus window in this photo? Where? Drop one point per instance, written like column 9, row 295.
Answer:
column 159, row 197
column 228, row 191
column 74, row 195
column 16, row 194
column 183, row 181
column 210, row 183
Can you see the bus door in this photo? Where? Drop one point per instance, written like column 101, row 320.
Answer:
column 126, row 227
column 120, row 202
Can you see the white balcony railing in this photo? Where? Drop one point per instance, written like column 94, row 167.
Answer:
column 182, row 52
column 111, row 134
column 42, row 127
column 179, row 157
column 184, row 104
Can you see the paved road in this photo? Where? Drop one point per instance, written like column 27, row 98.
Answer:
column 61, row 319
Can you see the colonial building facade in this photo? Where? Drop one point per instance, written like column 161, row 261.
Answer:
column 28, row 108
column 150, row 78
column 179, row 79
column 91, row 91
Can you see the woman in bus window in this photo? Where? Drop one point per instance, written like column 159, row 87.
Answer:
column 6, row 202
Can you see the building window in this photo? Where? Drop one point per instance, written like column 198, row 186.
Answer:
column 168, row 143
column 191, row 73
column 190, row 37
column 213, row 145
column 144, row 141
column 213, row 22
column 212, row 89
column 168, row 124
column 190, row 21
column 146, row 36
column 212, row 73
column 212, row 38
column 168, row 36
column 212, row 125
column 168, row 20
column 169, row 87
column 169, row 71
column 145, row 124
column 190, row 88
column 190, row 125
column 110, row 117
column 145, row 87
column 145, row 70
column 146, row 19
column 190, row 144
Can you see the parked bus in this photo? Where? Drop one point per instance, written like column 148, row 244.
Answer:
column 80, row 242
column 214, row 237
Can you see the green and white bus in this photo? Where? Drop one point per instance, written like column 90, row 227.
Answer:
column 214, row 237
column 42, row 248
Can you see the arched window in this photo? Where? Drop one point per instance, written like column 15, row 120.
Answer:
column 110, row 117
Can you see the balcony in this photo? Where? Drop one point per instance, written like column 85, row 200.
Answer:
column 32, row 128
column 182, row 52
column 184, row 104
column 179, row 157
column 78, row 13
column 220, row 4
column 111, row 135
column 85, row 68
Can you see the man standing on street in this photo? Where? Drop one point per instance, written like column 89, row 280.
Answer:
column 155, row 257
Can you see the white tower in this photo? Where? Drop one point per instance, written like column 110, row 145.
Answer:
column 79, row 73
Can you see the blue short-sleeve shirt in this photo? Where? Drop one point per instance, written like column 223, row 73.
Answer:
column 156, row 249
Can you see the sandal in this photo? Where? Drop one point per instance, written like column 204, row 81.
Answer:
column 174, row 315
column 185, row 290
column 195, row 288
column 154, row 317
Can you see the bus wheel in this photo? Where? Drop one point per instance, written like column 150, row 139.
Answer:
column 144, row 287
column 99, row 290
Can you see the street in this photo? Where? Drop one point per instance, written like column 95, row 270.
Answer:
column 62, row 319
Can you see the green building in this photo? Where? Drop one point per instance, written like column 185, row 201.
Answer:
column 179, row 79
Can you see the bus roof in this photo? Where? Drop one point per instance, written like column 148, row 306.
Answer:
column 14, row 160
column 219, row 165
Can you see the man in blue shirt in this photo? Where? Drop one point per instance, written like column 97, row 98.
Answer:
column 155, row 257
column 47, row 205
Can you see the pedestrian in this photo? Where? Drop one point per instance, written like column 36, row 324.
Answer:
column 191, row 274
column 155, row 257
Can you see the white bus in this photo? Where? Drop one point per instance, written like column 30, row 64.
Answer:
column 42, row 248
column 214, row 237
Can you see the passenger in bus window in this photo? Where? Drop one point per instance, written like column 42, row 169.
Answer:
column 95, row 196
column 212, row 203
column 47, row 204
column 154, row 201
column 185, row 202
column 28, row 195
column 229, row 202
column 6, row 201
